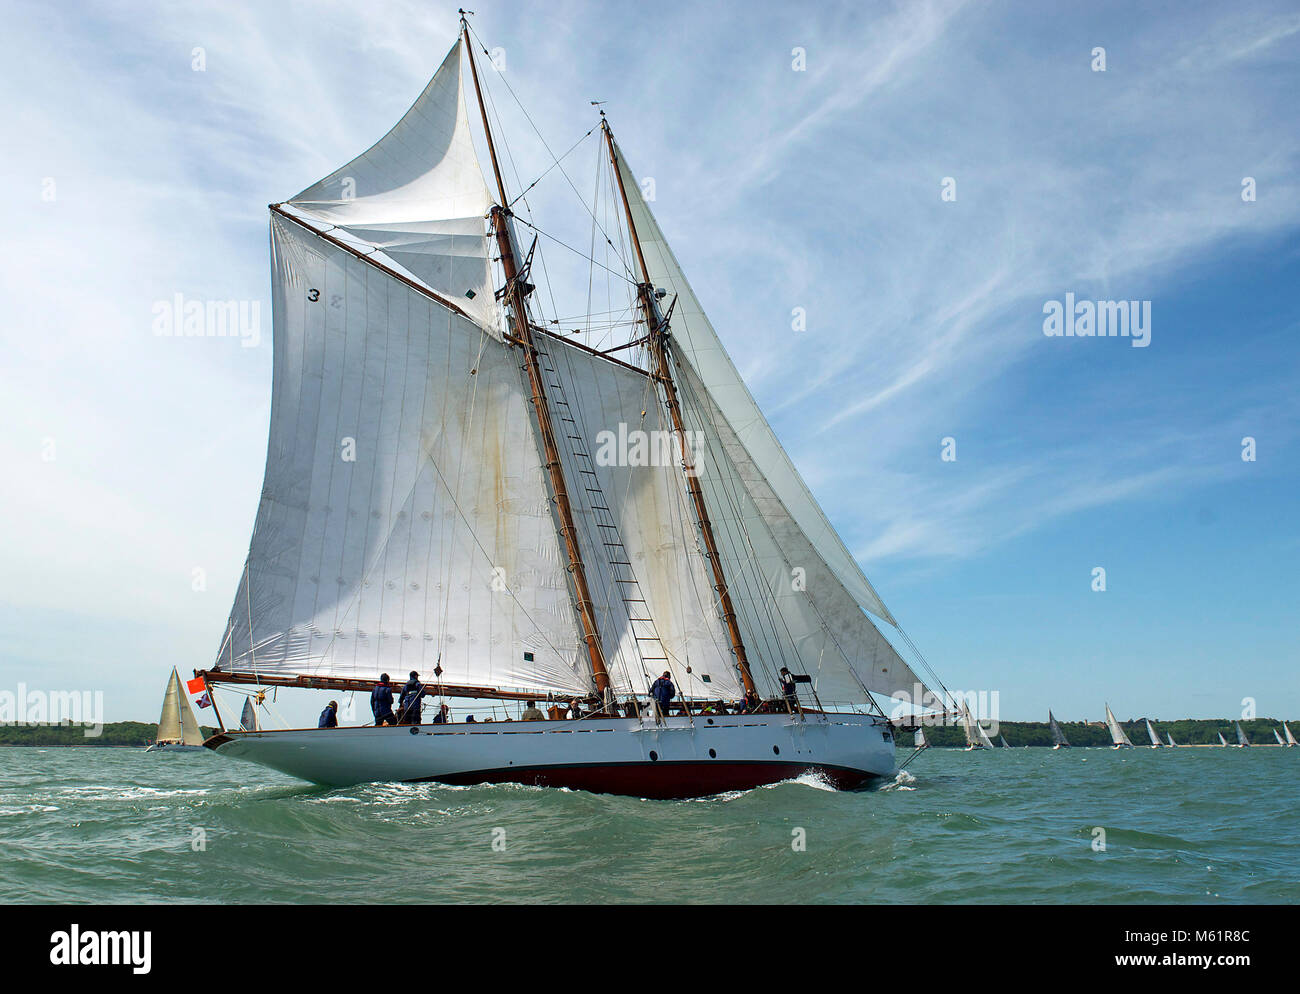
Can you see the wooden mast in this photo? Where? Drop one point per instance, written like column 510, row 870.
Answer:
column 657, row 340
column 516, row 292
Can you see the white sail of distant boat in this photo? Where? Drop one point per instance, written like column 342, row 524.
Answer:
column 1059, row 740
column 975, row 735
column 1003, row 740
column 1170, row 741
column 1278, row 736
column 1242, row 741
column 248, row 720
column 1155, row 739
column 1290, row 739
column 919, row 739
column 177, row 728
column 1118, row 737
column 1222, row 740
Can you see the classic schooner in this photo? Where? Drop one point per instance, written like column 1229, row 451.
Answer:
column 1118, row 737
column 466, row 532
column 178, row 730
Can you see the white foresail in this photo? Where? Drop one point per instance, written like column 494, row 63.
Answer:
column 404, row 515
column 1117, row 734
column 788, row 598
column 782, row 497
column 418, row 194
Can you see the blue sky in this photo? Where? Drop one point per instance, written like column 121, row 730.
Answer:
column 779, row 189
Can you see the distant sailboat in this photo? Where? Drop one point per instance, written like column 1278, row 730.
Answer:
column 1242, row 741
column 919, row 739
column 1119, row 740
column 1058, row 737
column 178, row 731
column 1003, row 740
column 1290, row 739
column 1222, row 740
column 1155, row 739
column 1278, row 736
column 1170, row 741
column 248, row 720
column 975, row 737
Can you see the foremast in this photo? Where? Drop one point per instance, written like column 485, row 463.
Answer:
column 657, row 343
column 515, row 295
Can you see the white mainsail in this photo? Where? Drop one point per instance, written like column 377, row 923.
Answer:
column 1117, row 734
column 1278, row 736
column 1222, row 740
column 919, row 739
column 177, row 723
column 976, row 738
column 248, row 719
column 1170, row 740
column 1058, row 737
column 1002, row 739
column 1155, row 739
column 1290, row 739
column 1241, row 736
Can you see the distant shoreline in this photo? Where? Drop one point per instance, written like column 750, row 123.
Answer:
column 113, row 735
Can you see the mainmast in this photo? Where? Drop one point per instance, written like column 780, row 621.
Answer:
column 657, row 340
column 516, row 292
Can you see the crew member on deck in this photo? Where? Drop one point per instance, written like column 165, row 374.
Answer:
column 788, row 689
column 329, row 718
column 531, row 713
column 412, row 695
column 443, row 716
column 663, row 691
column 381, row 702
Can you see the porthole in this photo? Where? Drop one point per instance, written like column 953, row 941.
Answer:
column 414, row 730
column 710, row 720
column 654, row 756
column 776, row 750
column 713, row 753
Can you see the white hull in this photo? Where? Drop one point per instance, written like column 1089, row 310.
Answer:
column 680, row 758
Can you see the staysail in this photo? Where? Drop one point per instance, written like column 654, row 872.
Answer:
column 177, row 723
column 1058, row 736
column 1155, row 739
column 1117, row 734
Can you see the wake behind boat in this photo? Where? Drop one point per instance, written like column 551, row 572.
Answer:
column 477, row 522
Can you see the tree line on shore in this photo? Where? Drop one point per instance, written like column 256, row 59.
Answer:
column 1186, row 731
column 115, row 733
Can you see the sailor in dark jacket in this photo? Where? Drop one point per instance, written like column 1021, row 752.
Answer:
column 412, row 694
column 329, row 718
column 663, row 691
column 381, row 702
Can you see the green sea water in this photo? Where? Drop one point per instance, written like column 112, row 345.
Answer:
column 99, row 825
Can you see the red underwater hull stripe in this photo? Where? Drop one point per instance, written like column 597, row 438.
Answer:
column 658, row 780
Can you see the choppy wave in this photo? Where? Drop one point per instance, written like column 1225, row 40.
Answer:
column 102, row 825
